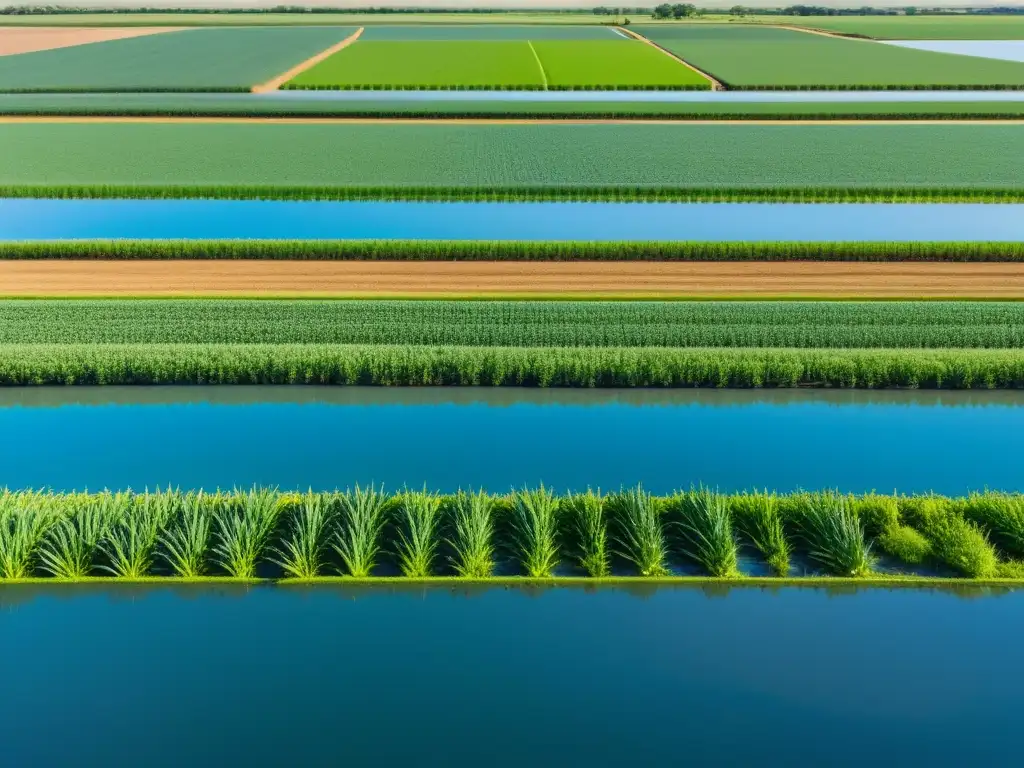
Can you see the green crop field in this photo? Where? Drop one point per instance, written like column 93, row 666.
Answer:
column 545, row 63
column 296, row 105
column 613, row 64
column 961, row 27
column 486, row 32
column 757, row 57
column 325, row 160
column 412, row 64
column 517, row 324
column 188, row 60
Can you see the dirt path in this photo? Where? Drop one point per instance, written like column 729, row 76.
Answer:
column 298, row 69
column 15, row 40
column 725, row 279
column 715, row 84
column 822, row 32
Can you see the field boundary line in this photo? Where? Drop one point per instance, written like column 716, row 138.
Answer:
column 275, row 83
column 540, row 64
column 716, row 85
column 821, row 32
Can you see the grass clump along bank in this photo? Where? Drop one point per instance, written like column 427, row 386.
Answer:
column 749, row 324
column 509, row 250
column 364, row 533
column 401, row 365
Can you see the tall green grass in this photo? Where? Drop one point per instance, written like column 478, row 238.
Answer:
column 534, row 522
column 1002, row 515
column 588, row 523
column 401, row 365
column 185, row 538
column 419, row 527
column 553, row 192
column 357, row 535
column 262, row 532
column 833, row 535
column 955, row 541
column 25, row 519
column 512, row 250
column 757, row 517
column 303, row 551
column 705, row 529
column 245, row 523
column 640, row 531
column 472, row 535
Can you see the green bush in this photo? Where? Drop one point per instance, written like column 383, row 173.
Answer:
column 955, row 541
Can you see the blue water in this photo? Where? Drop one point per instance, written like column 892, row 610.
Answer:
column 445, row 438
column 280, row 677
column 35, row 219
column 1005, row 50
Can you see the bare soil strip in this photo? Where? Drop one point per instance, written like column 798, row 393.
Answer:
column 822, row 32
column 298, row 69
column 15, row 40
column 715, row 85
column 534, row 279
column 313, row 119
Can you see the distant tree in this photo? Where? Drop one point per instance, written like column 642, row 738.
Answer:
column 663, row 11
column 910, row 10
column 737, row 10
column 682, row 11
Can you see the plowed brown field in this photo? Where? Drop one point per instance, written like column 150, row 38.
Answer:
column 15, row 40
column 368, row 278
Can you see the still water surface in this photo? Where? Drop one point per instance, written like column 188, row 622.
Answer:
column 557, row 677
column 446, row 438
column 44, row 219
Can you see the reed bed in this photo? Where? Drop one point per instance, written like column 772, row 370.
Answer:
column 1002, row 516
column 400, row 365
column 553, row 192
column 363, row 533
column 804, row 324
column 832, row 534
column 500, row 250
column 956, row 542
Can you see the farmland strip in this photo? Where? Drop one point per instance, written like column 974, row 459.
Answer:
column 274, row 83
column 715, row 84
column 540, row 66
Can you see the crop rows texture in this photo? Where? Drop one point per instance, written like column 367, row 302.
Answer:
column 366, row 532
column 401, row 365
column 189, row 60
column 507, row 250
column 746, row 57
column 485, row 32
column 251, row 105
column 952, row 27
column 653, row 161
column 551, row 64
column 892, row 325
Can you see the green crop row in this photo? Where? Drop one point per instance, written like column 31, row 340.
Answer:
column 514, row 250
column 401, row 365
column 574, row 193
column 486, row 87
column 366, row 532
column 887, row 325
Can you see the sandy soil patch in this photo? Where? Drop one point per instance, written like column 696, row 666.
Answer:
column 812, row 279
column 15, row 40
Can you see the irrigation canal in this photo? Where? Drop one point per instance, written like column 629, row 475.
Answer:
column 50, row 219
column 447, row 438
column 212, row 676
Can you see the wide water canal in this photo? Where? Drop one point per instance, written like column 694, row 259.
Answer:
column 161, row 676
column 446, row 438
column 46, row 219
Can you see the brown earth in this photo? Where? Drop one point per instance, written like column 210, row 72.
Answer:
column 368, row 278
column 298, row 69
column 15, row 40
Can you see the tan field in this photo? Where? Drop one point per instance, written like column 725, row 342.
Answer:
column 613, row 279
column 15, row 40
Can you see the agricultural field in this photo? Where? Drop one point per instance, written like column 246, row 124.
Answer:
column 260, row 105
column 547, row 62
column 765, row 58
column 184, row 60
column 490, row 32
column 226, row 159
column 913, row 27
column 894, row 325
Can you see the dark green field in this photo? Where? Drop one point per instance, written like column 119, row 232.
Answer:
column 338, row 160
